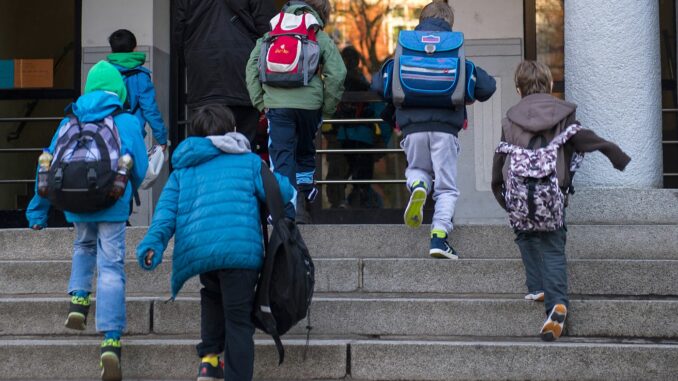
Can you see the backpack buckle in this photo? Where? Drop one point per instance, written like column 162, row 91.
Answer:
column 58, row 177
column 91, row 177
column 430, row 48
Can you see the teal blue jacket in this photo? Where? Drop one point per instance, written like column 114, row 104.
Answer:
column 94, row 107
column 211, row 205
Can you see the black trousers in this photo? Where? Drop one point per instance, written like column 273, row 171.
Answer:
column 226, row 302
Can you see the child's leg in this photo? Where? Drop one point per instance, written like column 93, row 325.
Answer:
column 528, row 243
column 110, row 311
column 419, row 175
column 211, row 315
column 282, row 147
column 308, row 123
column 84, row 257
column 444, row 156
column 237, row 292
column 552, row 247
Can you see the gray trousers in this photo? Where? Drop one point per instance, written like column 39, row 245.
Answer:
column 434, row 155
column 545, row 264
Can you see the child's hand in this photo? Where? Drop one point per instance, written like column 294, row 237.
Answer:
column 37, row 227
column 149, row 258
column 150, row 261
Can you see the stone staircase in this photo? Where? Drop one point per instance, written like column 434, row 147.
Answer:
column 383, row 310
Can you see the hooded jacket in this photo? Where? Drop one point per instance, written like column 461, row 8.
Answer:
column 449, row 120
column 211, row 205
column 321, row 93
column 103, row 96
column 216, row 38
column 548, row 116
column 140, row 92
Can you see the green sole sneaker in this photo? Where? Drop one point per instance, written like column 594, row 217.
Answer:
column 110, row 364
column 76, row 321
column 414, row 213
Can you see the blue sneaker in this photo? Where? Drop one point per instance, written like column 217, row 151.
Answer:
column 414, row 213
column 440, row 248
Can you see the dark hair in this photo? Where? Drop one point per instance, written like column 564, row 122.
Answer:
column 122, row 41
column 211, row 120
column 351, row 57
column 323, row 7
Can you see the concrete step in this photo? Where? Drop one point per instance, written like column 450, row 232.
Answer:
column 465, row 276
column 396, row 241
column 374, row 315
column 413, row 359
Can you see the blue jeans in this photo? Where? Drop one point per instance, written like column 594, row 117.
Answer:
column 292, row 147
column 101, row 245
column 545, row 264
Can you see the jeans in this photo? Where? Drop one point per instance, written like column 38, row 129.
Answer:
column 101, row 245
column 545, row 264
column 292, row 147
column 226, row 302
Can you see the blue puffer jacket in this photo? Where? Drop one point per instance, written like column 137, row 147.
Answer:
column 211, row 204
column 94, row 107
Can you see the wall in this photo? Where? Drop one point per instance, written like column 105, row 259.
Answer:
column 102, row 17
column 489, row 19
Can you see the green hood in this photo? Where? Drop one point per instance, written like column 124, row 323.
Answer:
column 298, row 8
column 127, row 60
column 105, row 77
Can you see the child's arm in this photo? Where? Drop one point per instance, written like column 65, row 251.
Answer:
column 587, row 141
column 252, row 76
column 334, row 74
column 149, row 109
column 135, row 146
column 486, row 85
column 163, row 226
column 498, row 176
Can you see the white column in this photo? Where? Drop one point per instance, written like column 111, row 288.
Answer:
column 612, row 71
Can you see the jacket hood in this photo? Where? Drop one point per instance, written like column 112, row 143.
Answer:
column 105, row 77
column 127, row 60
column 434, row 25
column 96, row 106
column 540, row 112
column 298, row 8
column 197, row 150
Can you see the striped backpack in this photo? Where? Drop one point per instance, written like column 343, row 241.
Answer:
column 533, row 196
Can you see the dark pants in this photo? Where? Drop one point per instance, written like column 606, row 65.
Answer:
column 545, row 264
column 226, row 302
column 292, row 146
column 246, row 122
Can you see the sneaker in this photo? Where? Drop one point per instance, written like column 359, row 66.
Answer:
column 537, row 296
column 210, row 372
column 77, row 312
column 110, row 360
column 414, row 213
column 309, row 191
column 553, row 326
column 440, row 248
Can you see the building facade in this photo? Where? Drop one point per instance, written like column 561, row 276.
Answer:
column 615, row 58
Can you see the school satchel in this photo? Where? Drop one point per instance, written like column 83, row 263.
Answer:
column 290, row 54
column 534, row 199
column 429, row 69
column 84, row 166
column 285, row 287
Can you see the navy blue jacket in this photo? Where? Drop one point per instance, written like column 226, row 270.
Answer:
column 449, row 120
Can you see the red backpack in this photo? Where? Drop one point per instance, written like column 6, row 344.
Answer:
column 290, row 54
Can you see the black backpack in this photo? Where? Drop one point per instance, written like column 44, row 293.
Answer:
column 84, row 166
column 285, row 287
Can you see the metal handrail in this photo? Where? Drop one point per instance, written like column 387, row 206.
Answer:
column 394, row 181
column 16, row 181
column 32, row 119
column 366, row 150
column 670, row 110
column 20, row 150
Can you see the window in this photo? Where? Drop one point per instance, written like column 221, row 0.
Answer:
column 545, row 38
column 668, row 45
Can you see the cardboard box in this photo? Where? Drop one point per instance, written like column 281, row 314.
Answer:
column 6, row 74
column 33, row 73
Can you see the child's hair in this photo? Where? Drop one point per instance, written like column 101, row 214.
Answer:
column 438, row 9
column 323, row 7
column 122, row 41
column 211, row 120
column 533, row 77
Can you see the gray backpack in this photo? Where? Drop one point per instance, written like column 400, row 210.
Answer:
column 533, row 196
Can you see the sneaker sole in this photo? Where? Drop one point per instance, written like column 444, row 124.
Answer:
column 439, row 254
column 76, row 321
column 553, row 328
column 531, row 298
column 111, row 367
column 414, row 213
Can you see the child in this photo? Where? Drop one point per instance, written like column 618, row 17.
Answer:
column 140, row 89
column 211, row 204
column 542, row 118
column 295, row 113
column 100, row 236
column 432, row 146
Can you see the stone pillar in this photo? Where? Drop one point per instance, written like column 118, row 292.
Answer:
column 612, row 71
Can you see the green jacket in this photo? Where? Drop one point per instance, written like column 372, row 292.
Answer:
column 323, row 92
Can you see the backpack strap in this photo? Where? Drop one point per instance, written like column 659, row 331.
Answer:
column 459, row 94
column 127, row 105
